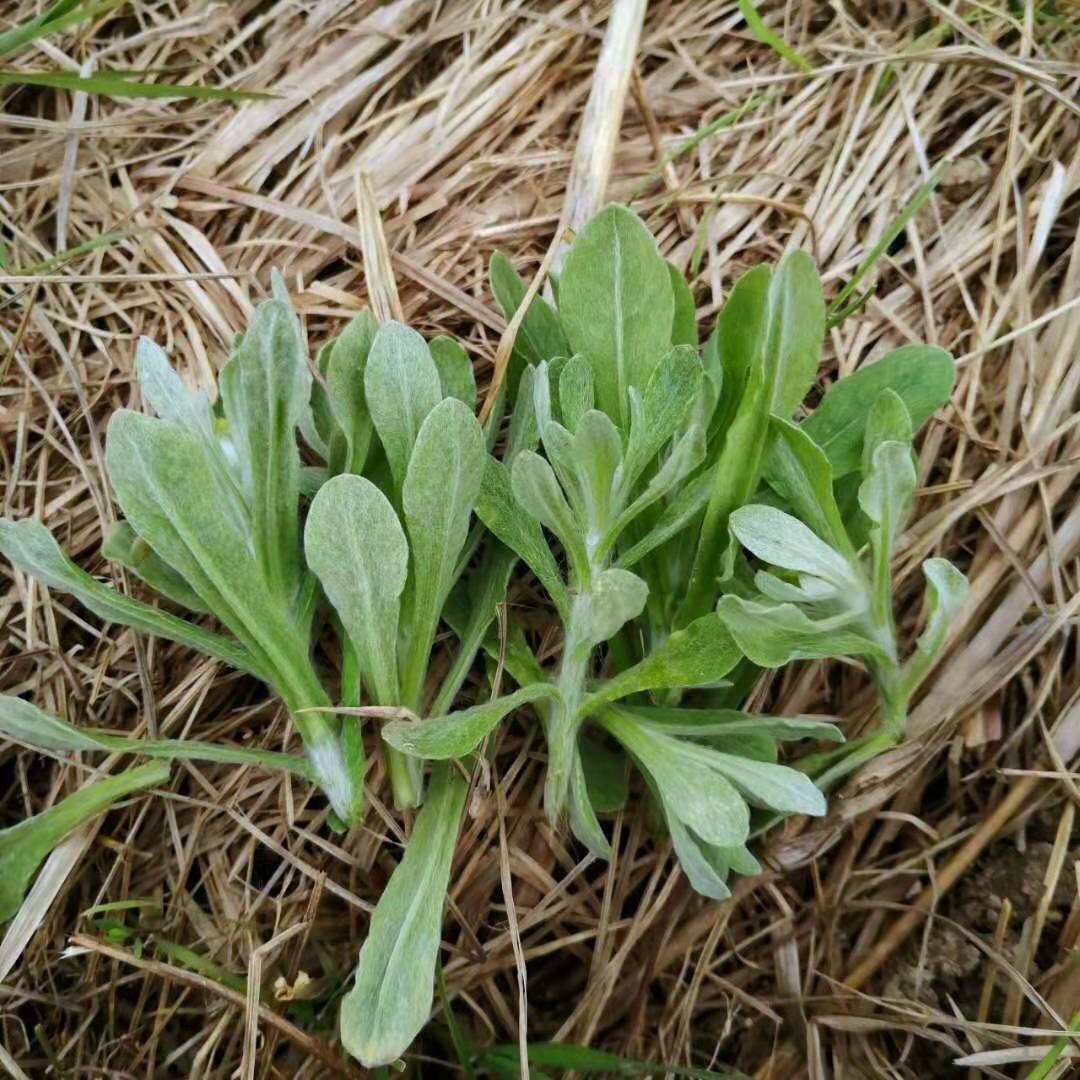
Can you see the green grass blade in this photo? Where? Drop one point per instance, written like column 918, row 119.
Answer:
column 584, row 1059
column 109, row 84
column 771, row 38
column 59, row 16
column 837, row 311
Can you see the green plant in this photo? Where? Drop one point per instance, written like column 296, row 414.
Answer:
column 634, row 468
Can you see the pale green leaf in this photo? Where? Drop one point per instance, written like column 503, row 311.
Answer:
column 597, row 454
column 401, row 384
column 265, row 387
column 346, row 363
column 455, row 370
column 31, row 547
column 703, row 723
column 946, row 592
column 922, row 376
column 539, row 494
column 616, row 305
column 391, row 999
column 440, row 491
column 683, row 509
column 798, row 470
column 614, row 598
column 575, row 391
column 781, row 540
column 684, row 329
column 356, row 546
column 541, row 335
column 887, row 421
column 700, row 655
column 125, row 546
column 659, row 412
column 772, row 634
column 25, row 723
column 459, row 733
column 499, row 511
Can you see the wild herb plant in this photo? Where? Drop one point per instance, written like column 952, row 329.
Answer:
column 660, row 461
column 649, row 451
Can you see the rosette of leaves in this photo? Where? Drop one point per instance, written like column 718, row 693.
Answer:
column 210, row 496
column 827, row 590
column 623, row 424
column 648, row 449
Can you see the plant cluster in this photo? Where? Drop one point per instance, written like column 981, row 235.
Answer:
column 687, row 529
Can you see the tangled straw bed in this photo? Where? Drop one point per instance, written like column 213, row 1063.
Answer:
column 464, row 119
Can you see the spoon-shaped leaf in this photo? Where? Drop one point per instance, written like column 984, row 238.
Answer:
column 355, row 545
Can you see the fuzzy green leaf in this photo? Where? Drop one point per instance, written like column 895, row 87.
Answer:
column 441, row 487
column 772, row 634
column 266, row 386
column 401, row 383
column 616, row 305
column 24, row 722
column 125, row 546
column 921, row 375
column 575, row 391
column 499, row 511
column 395, row 977
column 700, row 655
column 459, row 733
column 684, row 329
column 782, row 540
column 357, row 548
column 31, row 547
column 455, row 370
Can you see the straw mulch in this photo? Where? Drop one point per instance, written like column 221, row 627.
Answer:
column 465, row 115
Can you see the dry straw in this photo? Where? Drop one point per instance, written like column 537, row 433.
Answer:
column 459, row 122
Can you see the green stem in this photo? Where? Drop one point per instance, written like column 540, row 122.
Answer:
column 563, row 724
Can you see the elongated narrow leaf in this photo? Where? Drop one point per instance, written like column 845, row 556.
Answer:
column 798, row 470
column 541, row 336
column 31, row 547
column 344, row 377
column 459, row 733
column 500, row 512
column 684, row 329
column 164, row 391
column 172, row 497
column 775, row 386
column 616, row 305
column 739, row 342
column 24, row 847
column 701, row 723
column 265, row 387
column 658, row 413
column 584, row 1059
column 455, row 370
column 884, row 497
column 683, row 509
column 923, row 378
column 575, row 392
column 707, row 876
column 597, row 453
column 441, row 487
column 700, row 655
column 538, row 492
column 355, row 544
column 773, row 634
column 782, row 540
column 689, row 788
column 401, row 383
column 395, row 977
column 24, row 722
column 583, row 821
column 774, row 787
